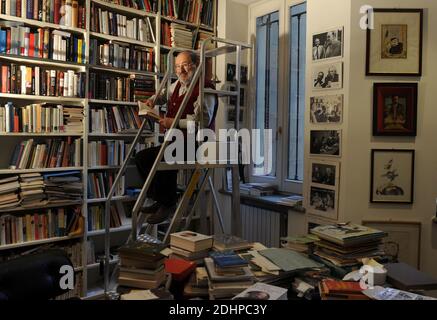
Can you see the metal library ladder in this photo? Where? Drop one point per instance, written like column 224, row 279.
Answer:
column 202, row 173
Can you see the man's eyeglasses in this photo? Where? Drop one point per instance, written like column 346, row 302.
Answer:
column 183, row 65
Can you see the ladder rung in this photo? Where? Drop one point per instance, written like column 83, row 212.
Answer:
column 220, row 50
column 222, row 93
column 167, row 167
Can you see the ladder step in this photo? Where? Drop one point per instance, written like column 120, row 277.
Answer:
column 167, row 167
column 221, row 93
column 223, row 50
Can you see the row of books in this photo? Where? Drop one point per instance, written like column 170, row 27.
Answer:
column 40, row 118
column 176, row 35
column 68, row 13
column 128, row 88
column 42, row 43
column 115, row 119
column 53, row 153
column 99, row 184
column 121, row 56
column 96, row 217
column 21, row 79
column 38, row 226
column 106, row 153
column 147, row 5
column 115, row 24
column 193, row 11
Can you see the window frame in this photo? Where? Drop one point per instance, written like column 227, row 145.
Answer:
column 283, row 147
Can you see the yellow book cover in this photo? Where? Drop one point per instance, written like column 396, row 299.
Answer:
column 79, row 51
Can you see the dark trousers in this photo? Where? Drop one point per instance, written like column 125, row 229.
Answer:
column 164, row 184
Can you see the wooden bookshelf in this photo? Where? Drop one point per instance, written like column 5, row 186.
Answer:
column 156, row 19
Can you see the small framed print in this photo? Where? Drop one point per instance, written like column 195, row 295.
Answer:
column 325, row 143
column 328, row 44
column 325, row 173
column 231, row 71
column 233, row 99
column 395, row 109
column 323, row 202
column 392, row 176
column 244, row 74
column 327, row 76
column 394, row 45
column 326, row 109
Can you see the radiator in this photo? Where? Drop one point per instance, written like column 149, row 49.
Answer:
column 260, row 225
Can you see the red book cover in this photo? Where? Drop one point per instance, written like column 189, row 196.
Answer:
column 104, row 154
column 148, row 8
column 4, row 79
column 16, row 121
column 335, row 286
column 35, row 225
column 41, row 42
column 18, row 8
column 180, row 269
column 57, row 11
column 65, row 156
column 8, row 41
column 31, row 44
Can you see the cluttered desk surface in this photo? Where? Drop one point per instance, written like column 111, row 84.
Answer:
column 337, row 262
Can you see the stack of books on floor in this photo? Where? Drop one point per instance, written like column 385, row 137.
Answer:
column 63, row 186
column 190, row 246
column 32, row 189
column 198, row 286
column 9, row 192
column 345, row 245
column 341, row 290
column 141, row 265
column 228, row 274
column 224, row 242
column 302, row 244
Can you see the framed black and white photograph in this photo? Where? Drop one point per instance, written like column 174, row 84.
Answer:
column 323, row 202
column 395, row 109
column 325, row 143
column 325, row 173
column 328, row 44
column 233, row 99
column 394, row 45
column 392, row 176
column 231, row 71
column 327, row 76
column 326, row 109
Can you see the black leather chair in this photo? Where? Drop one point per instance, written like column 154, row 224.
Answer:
column 35, row 277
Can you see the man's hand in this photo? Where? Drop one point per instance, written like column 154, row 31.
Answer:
column 166, row 122
column 149, row 103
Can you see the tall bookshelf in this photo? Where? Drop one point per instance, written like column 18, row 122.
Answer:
column 90, row 280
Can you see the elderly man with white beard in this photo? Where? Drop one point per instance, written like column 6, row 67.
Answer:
column 164, row 185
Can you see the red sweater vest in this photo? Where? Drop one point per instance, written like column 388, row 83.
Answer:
column 176, row 101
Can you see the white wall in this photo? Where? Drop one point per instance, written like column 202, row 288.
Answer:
column 232, row 24
column 355, row 199
column 354, row 204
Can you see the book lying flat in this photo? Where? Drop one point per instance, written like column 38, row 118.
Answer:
column 146, row 111
column 262, row 291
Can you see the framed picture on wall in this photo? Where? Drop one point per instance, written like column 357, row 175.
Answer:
column 328, row 44
column 392, row 176
column 326, row 109
column 327, row 76
column 402, row 241
column 244, row 74
column 325, row 143
column 231, row 71
column 233, row 99
column 394, row 109
column 325, row 173
column 394, row 45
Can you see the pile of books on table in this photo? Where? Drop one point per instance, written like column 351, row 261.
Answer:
column 228, row 275
column 345, row 245
column 141, row 265
column 190, row 246
column 341, row 290
column 224, row 242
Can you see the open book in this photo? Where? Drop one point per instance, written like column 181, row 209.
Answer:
column 146, row 111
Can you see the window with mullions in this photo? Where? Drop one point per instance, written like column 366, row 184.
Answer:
column 266, row 116
column 297, row 92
